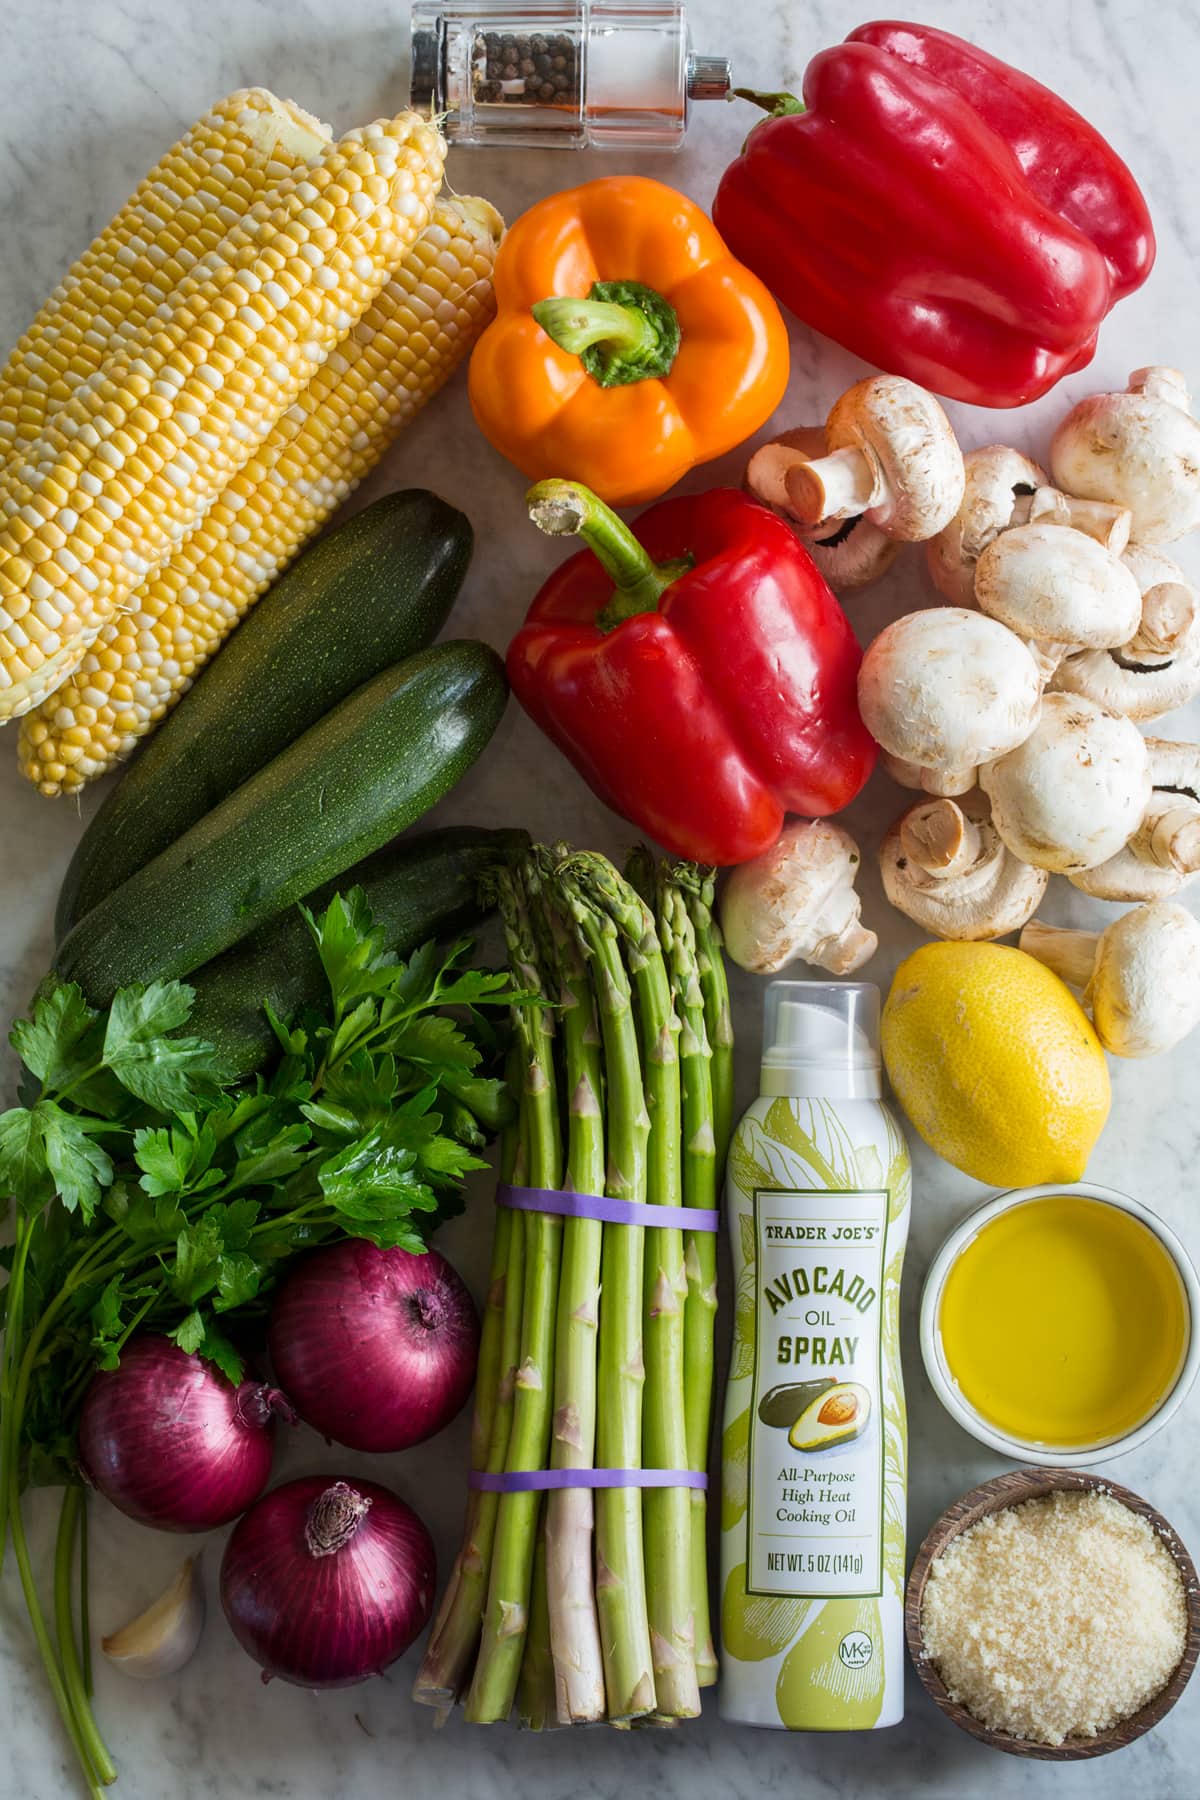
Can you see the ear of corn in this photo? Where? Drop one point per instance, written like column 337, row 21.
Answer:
column 130, row 464
column 200, row 189
column 408, row 344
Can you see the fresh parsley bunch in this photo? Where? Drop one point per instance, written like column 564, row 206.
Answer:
column 152, row 1191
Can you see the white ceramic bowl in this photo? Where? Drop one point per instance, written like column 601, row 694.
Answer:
column 947, row 1389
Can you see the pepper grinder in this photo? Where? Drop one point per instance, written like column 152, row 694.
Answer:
column 560, row 74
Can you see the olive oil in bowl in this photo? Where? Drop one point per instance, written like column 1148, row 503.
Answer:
column 1060, row 1322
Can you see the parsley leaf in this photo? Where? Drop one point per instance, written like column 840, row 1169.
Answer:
column 80, row 1167
column 59, row 1042
column 173, row 1074
column 24, row 1171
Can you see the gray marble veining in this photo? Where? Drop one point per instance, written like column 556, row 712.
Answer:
column 91, row 93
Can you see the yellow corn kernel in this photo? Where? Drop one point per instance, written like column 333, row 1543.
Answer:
column 420, row 328
column 183, row 208
column 226, row 369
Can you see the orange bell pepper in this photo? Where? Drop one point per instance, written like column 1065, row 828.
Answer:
column 628, row 344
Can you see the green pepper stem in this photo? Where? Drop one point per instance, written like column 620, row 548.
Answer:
column 779, row 106
column 568, row 509
column 621, row 332
column 575, row 325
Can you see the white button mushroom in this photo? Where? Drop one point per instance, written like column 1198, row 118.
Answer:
column 1163, row 855
column 995, row 481
column 944, row 864
column 1074, row 792
column 1139, row 449
column 946, row 690
column 798, row 902
column 1159, row 669
column 892, row 455
column 1140, row 977
column 1004, row 488
column 850, row 553
column 1058, row 590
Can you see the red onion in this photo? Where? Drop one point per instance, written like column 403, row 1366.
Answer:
column 325, row 1582
column 376, row 1348
column 172, row 1443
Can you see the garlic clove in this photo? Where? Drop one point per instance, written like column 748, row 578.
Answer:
column 162, row 1639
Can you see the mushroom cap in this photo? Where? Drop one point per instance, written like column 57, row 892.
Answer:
column 995, row 895
column 1136, row 682
column 797, row 902
column 1127, row 878
column 947, row 689
column 1057, row 585
column 993, row 478
column 1138, row 450
column 1075, row 791
column 853, row 555
column 910, row 443
column 1145, row 987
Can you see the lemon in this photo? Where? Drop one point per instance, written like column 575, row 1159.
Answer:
column 996, row 1063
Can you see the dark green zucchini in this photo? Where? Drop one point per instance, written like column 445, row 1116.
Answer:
column 366, row 595
column 423, row 887
column 370, row 769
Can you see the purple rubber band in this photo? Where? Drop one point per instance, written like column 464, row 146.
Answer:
column 525, row 1481
column 607, row 1210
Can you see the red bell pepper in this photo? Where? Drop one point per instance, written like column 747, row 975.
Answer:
column 939, row 213
column 701, row 676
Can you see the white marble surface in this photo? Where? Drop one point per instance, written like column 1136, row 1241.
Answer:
column 91, row 92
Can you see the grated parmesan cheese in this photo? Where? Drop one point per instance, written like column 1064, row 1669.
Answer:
column 1056, row 1618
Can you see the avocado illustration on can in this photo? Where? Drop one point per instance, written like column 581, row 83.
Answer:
column 783, row 1405
column 836, row 1416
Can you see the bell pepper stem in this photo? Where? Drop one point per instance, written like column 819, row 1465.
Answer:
column 622, row 331
column 575, row 325
column 568, row 509
column 779, row 106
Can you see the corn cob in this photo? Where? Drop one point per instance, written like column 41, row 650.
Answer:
column 182, row 209
column 418, row 331
column 132, row 462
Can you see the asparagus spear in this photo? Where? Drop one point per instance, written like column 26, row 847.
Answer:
column 620, row 1569
column 570, row 1512
column 666, row 1511
column 506, row 1615
column 536, row 1688
column 700, row 1247
column 700, row 886
column 450, row 1653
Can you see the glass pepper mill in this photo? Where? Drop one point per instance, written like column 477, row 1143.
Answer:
column 560, row 74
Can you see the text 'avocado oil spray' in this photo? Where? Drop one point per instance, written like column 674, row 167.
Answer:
column 814, row 1452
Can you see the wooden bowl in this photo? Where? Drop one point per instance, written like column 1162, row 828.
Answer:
column 1010, row 1490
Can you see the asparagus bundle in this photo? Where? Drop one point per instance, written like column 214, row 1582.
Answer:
column 577, row 1605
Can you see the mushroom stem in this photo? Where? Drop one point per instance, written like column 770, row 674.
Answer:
column 948, row 782
column 1168, row 615
column 1098, row 519
column 1071, row 954
column 837, row 486
column 1169, row 835
column 937, row 836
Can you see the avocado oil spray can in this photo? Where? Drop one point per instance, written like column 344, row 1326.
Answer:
column 814, row 1449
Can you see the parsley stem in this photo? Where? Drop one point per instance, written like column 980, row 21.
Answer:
column 10, row 1434
column 68, row 1644
column 37, row 1619
column 85, row 1596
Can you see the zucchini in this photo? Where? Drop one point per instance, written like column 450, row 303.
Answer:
column 423, row 887
column 367, row 594
column 369, row 770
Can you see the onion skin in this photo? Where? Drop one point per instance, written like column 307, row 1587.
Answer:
column 330, row 1610
column 173, row 1444
column 375, row 1348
